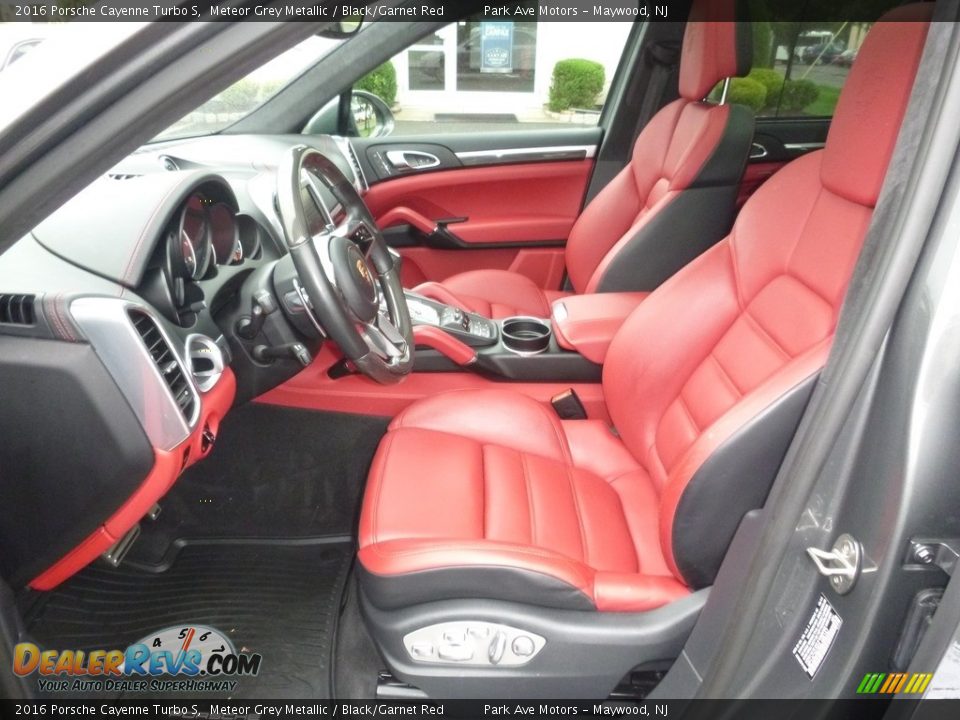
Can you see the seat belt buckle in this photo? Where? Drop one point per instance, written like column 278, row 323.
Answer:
column 567, row 405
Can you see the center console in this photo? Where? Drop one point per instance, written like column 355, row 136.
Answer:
column 472, row 330
column 449, row 339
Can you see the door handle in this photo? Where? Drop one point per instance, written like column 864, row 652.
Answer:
column 758, row 151
column 412, row 159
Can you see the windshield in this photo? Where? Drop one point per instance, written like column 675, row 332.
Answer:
column 246, row 95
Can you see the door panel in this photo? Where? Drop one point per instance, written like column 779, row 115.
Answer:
column 493, row 201
column 756, row 173
column 533, row 203
column 545, row 266
column 476, row 149
column 783, row 139
column 777, row 141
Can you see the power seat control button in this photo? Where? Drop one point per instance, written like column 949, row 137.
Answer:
column 422, row 650
column 497, row 646
column 456, row 653
column 455, row 637
column 523, row 646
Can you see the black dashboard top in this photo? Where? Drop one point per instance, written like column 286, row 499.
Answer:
column 104, row 239
column 111, row 228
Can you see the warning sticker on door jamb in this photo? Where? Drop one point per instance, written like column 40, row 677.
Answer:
column 817, row 638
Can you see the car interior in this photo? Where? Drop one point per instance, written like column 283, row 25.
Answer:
column 484, row 427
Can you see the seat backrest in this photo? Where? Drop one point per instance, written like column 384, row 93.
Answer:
column 707, row 379
column 677, row 195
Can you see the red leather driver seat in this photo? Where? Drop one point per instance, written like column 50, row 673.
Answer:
column 675, row 198
column 485, row 495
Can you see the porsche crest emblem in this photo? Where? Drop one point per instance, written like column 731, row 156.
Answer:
column 364, row 272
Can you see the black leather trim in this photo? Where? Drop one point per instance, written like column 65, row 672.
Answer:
column 743, row 39
column 60, row 484
column 726, row 164
column 390, row 592
column 696, row 219
column 404, row 236
column 735, row 479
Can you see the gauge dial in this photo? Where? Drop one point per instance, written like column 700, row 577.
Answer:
column 191, row 252
column 227, row 248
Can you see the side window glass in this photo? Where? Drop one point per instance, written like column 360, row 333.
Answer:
column 806, row 65
column 800, row 66
column 483, row 76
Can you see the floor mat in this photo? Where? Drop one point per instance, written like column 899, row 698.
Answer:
column 280, row 599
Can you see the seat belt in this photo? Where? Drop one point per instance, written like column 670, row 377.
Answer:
column 663, row 59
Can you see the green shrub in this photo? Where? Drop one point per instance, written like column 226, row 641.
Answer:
column 382, row 82
column 798, row 94
column 576, row 84
column 772, row 81
column 745, row 91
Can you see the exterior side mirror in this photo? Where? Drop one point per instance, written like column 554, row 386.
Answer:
column 343, row 28
column 369, row 117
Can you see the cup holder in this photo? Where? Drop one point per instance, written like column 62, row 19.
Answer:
column 525, row 335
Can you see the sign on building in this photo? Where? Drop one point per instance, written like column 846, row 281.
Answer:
column 496, row 47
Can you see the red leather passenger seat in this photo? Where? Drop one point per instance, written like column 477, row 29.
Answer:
column 675, row 198
column 486, row 494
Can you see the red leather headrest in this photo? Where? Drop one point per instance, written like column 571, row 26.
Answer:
column 713, row 50
column 872, row 104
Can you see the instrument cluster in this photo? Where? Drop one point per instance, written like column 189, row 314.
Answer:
column 206, row 235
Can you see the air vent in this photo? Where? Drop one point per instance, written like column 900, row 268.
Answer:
column 166, row 362
column 17, row 309
column 355, row 161
column 346, row 147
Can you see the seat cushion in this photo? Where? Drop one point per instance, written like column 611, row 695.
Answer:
column 493, row 293
column 486, row 494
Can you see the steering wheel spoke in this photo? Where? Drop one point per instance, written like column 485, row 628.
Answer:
column 383, row 338
column 345, row 268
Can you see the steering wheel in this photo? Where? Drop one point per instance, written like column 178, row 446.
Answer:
column 355, row 294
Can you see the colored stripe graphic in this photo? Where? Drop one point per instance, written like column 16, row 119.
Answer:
column 890, row 682
column 915, row 681
column 894, row 683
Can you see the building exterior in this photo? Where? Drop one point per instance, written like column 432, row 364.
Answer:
column 499, row 67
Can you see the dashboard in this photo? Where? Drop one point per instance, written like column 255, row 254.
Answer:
column 136, row 312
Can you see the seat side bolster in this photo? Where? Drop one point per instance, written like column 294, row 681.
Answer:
column 629, row 592
column 684, row 501
column 409, row 571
